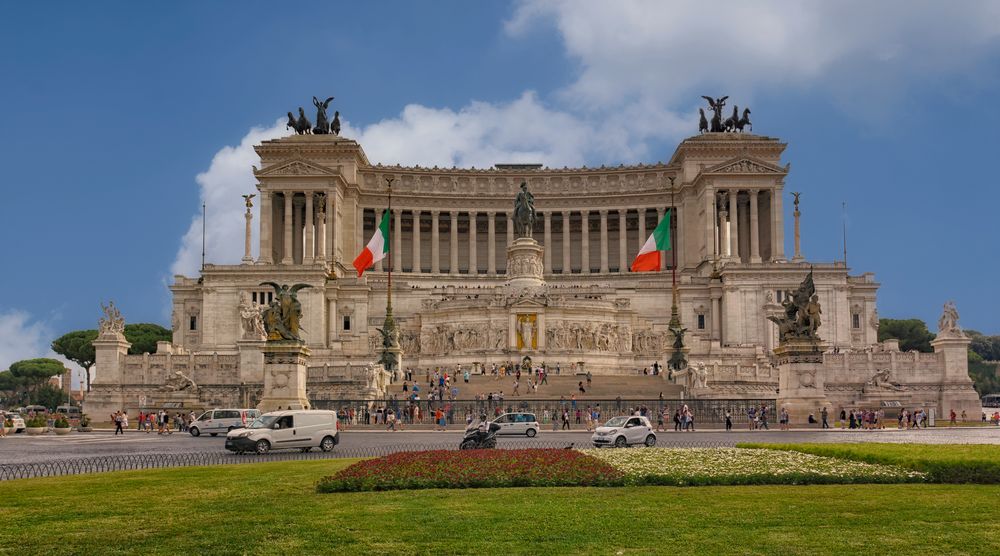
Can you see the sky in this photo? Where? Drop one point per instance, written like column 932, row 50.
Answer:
column 118, row 119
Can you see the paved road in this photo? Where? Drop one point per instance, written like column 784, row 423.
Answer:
column 24, row 449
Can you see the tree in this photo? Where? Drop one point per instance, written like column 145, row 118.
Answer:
column 34, row 372
column 78, row 347
column 911, row 333
column 10, row 388
column 49, row 396
column 144, row 335
column 987, row 347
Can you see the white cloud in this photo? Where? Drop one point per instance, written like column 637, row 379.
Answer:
column 25, row 337
column 229, row 176
column 675, row 51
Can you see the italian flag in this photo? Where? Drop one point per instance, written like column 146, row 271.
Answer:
column 649, row 257
column 377, row 249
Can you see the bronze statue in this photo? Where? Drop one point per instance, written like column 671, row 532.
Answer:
column 716, row 105
column 802, row 313
column 303, row 125
column 248, row 199
column 677, row 360
column 702, row 122
column 731, row 121
column 744, row 121
column 335, row 124
column 322, row 124
column 282, row 316
column 524, row 212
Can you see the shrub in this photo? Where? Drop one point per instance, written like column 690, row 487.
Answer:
column 37, row 421
column 61, row 422
column 473, row 469
column 84, row 420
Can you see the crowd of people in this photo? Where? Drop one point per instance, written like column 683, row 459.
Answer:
column 161, row 421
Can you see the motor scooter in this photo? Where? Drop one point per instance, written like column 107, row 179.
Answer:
column 475, row 440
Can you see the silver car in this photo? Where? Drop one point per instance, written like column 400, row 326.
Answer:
column 518, row 423
column 624, row 431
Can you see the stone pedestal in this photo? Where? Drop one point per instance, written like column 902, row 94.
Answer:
column 956, row 386
column 525, row 263
column 284, row 376
column 801, row 379
column 110, row 350
column 251, row 361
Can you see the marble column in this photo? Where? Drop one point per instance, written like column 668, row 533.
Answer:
column 359, row 236
column 754, row 228
column 777, row 227
column 565, row 252
column 510, row 228
column 266, row 235
column 717, row 316
column 642, row 229
column 491, row 248
column 453, row 244
column 473, row 251
column 585, row 242
column 397, row 241
column 247, row 238
column 734, row 224
column 416, row 241
column 322, row 221
column 298, row 229
column 379, row 215
column 622, row 241
column 723, row 239
column 286, row 255
column 663, row 254
column 435, row 242
column 711, row 237
column 797, row 256
column 547, row 256
column 604, row 241
column 331, row 227
column 308, row 230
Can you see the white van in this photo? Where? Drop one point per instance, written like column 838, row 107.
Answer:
column 215, row 421
column 304, row 429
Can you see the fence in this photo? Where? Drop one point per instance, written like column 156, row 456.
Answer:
column 132, row 462
column 706, row 412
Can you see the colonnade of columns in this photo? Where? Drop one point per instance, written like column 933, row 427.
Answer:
column 297, row 227
column 738, row 212
column 577, row 242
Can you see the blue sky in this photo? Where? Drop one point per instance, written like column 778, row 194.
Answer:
column 119, row 118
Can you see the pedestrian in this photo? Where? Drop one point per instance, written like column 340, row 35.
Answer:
column 729, row 421
column 589, row 376
column 565, row 420
column 677, row 420
column 659, row 420
column 118, row 424
column 3, row 424
column 824, row 415
column 952, row 417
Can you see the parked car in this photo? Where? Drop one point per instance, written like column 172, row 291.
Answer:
column 624, row 431
column 518, row 423
column 215, row 421
column 17, row 422
column 281, row 430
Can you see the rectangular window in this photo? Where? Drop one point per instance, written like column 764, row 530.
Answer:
column 778, row 296
column 701, row 322
column 347, row 324
column 856, row 320
column 194, row 323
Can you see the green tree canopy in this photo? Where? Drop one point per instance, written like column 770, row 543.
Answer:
column 49, row 396
column 144, row 335
column 987, row 347
column 35, row 372
column 911, row 333
column 78, row 347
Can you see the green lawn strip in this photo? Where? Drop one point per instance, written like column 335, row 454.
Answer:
column 945, row 463
column 273, row 509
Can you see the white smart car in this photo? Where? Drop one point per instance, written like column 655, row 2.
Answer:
column 624, row 431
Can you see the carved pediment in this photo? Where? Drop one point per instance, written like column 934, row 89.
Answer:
column 746, row 165
column 294, row 168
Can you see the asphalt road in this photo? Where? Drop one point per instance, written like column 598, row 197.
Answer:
column 27, row 449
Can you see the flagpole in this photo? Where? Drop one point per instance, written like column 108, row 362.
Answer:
column 388, row 242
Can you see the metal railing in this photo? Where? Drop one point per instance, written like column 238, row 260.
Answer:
column 133, row 462
column 709, row 413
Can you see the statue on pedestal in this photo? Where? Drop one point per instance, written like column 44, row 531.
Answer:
column 524, row 212
column 801, row 318
column 112, row 323
column 281, row 318
column 948, row 323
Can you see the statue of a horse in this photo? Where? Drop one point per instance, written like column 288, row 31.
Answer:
column 730, row 123
column 744, row 121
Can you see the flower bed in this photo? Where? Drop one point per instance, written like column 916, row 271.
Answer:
column 741, row 466
column 473, row 469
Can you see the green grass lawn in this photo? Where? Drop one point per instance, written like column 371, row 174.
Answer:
column 946, row 463
column 274, row 509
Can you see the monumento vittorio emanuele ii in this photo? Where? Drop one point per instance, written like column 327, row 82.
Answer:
column 468, row 293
